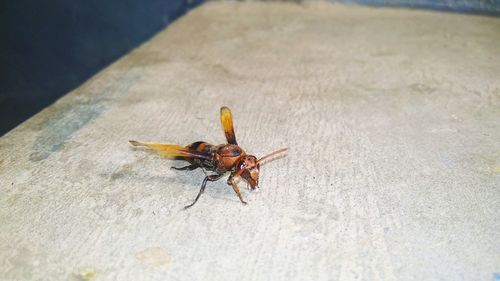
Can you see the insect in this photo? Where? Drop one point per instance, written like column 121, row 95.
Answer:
column 219, row 159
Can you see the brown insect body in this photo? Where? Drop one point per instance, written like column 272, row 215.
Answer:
column 222, row 158
column 219, row 159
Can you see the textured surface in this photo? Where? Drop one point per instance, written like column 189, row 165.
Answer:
column 392, row 120
column 487, row 7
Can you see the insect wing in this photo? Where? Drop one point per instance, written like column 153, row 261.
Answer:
column 226, row 118
column 172, row 150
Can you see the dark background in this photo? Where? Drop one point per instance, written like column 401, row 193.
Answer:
column 48, row 48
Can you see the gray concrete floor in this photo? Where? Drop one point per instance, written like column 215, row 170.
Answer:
column 392, row 120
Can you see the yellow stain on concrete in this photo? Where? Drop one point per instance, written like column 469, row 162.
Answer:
column 155, row 257
column 85, row 274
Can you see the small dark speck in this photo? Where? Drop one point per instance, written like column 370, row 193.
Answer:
column 386, row 229
column 154, row 213
column 12, row 184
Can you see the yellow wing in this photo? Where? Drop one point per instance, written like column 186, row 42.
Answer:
column 226, row 118
column 171, row 150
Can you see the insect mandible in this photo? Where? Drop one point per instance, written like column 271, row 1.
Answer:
column 220, row 159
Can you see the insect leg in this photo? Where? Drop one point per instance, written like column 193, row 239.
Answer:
column 202, row 189
column 188, row 167
column 236, row 189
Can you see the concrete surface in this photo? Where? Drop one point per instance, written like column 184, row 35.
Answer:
column 392, row 120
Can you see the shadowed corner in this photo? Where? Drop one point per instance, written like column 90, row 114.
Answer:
column 60, row 126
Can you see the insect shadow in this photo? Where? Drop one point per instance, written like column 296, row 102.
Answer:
column 190, row 179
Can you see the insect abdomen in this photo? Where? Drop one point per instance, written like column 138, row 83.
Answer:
column 206, row 149
column 202, row 147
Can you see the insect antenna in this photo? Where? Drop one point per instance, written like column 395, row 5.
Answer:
column 272, row 154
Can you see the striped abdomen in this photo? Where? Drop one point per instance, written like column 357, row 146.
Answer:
column 205, row 149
